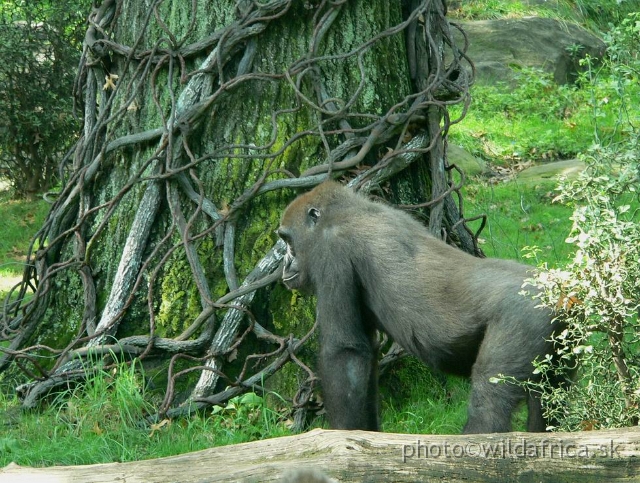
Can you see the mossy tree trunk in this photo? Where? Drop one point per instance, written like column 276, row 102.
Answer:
column 202, row 119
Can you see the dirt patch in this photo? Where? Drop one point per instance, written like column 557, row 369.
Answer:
column 7, row 283
column 569, row 168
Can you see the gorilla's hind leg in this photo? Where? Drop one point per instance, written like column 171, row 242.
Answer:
column 535, row 420
column 491, row 406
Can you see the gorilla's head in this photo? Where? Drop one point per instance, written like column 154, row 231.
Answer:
column 296, row 230
column 301, row 229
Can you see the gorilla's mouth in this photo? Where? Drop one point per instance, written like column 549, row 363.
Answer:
column 286, row 277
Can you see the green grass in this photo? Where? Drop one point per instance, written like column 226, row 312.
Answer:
column 20, row 220
column 415, row 400
column 594, row 14
column 540, row 120
column 494, row 9
column 521, row 215
column 102, row 421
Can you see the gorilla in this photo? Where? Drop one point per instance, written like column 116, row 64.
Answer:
column 373, row 267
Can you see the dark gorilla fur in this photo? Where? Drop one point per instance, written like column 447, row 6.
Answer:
column 375, row 267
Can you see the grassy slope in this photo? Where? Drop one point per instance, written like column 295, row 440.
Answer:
column 20, row 220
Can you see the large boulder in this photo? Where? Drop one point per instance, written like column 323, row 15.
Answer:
column 467, row 162
column 498, row 46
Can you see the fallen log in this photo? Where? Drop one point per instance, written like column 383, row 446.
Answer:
column 593, row 456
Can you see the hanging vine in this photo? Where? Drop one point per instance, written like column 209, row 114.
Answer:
column 199, row 76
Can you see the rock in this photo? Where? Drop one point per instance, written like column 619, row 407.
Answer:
column 467, row 162
column 569, row 168
column 549, row 44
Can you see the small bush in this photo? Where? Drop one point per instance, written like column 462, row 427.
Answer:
column 598, row 295
column 40, row 49
column 598, row 292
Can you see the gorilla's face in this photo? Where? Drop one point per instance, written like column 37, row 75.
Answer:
column 291, row 276
column 298, row 230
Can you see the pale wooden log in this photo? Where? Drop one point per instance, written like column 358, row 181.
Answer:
column 594, row 456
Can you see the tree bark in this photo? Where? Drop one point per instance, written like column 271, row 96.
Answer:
column 199, row 118
column 594, row 456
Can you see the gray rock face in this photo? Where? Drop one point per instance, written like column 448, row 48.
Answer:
column 549, row 44
column 467, row 162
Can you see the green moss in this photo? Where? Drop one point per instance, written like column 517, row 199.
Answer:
column 292, row 311
column 64, row 314
column 179, row 297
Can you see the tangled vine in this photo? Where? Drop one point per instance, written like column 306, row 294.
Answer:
column 190, row 81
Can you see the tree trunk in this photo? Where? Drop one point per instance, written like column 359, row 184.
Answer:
column 594, row 456
column 202, row 119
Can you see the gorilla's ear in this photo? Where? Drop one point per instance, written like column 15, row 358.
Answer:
column 314, row 214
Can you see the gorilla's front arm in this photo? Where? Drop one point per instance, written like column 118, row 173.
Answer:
column 348, row 357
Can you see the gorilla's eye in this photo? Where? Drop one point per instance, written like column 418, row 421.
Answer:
column 314, row 214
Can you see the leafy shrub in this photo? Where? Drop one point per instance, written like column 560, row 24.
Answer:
column 598, row 295
column 598, row 292
column 40, row 49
